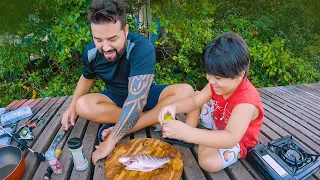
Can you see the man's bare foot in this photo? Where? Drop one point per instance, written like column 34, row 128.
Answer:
column 105, row 133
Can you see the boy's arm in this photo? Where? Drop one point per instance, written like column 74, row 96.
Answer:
column 238, row 123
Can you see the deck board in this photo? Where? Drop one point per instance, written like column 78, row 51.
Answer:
column 289, row 110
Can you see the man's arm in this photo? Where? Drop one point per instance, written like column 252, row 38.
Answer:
column 83, row 87
column 138, row 88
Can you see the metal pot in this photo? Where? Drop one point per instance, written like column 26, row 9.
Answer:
column 11, row 163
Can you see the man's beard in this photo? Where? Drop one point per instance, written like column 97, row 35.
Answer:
column 118, row 54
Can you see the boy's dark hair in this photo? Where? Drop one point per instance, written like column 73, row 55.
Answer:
column 102, row 11
column 226, row 56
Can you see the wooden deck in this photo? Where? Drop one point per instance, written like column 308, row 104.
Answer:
column 293, row 110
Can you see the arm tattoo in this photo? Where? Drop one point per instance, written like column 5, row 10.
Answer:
column 139, row 87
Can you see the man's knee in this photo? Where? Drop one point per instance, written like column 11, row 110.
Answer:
column 82, row 106
column 184, row 90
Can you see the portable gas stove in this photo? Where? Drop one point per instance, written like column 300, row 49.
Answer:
column 283, row 158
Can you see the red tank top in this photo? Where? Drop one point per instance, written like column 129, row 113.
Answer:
column 245, row 93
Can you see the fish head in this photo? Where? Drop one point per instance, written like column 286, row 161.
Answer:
column 127, row 160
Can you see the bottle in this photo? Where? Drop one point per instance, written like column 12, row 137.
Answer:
column 53, row 161
column 75, row 147
column 2, row 111
column 16, row 115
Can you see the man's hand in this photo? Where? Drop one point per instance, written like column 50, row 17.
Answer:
column 68, row 118
column 102, row 151
column 171, row 109
column 176, row 130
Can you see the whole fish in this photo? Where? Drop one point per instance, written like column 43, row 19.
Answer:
column 144, row 163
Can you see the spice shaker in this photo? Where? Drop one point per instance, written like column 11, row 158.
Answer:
column 79, row 160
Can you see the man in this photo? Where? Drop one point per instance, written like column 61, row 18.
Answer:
column 126, row 63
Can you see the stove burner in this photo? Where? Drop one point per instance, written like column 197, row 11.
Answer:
column 294, row 157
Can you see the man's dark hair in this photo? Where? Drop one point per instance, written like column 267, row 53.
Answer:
column 102, row 11
column 226, row 56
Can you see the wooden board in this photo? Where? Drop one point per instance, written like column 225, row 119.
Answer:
column 149, row 146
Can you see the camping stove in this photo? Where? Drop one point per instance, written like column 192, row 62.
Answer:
column 283, row 158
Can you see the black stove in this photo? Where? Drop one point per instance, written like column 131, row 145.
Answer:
column 283, row 158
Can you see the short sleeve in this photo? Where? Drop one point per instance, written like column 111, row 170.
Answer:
column 142, row 58
column 88, row 56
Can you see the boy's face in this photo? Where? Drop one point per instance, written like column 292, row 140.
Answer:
column 225, row 86
column 110, row 39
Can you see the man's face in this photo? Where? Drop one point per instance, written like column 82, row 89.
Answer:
column 110, row 39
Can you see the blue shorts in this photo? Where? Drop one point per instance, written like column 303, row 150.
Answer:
column 152, row 100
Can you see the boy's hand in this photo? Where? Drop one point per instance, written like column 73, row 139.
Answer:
column 102, row 151
column 171, row 109
column 176, row 130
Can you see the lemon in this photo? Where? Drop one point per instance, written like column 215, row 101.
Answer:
column 168, row 117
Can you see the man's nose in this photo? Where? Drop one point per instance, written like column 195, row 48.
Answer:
column 106, row 46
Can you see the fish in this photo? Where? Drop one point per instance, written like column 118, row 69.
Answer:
column 144, row 163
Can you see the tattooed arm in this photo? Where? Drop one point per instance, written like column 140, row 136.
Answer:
column 139, row 87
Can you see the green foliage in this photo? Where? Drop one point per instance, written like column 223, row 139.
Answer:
column 186, row 30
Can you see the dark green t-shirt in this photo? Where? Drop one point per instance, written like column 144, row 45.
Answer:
column 138, row 59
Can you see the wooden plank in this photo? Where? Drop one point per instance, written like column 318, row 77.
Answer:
column 44, row 140
column 88, row 147
column 140, row 134
column 17, row 105
column 310, row 89
column 29, row 101
column 314, row 117
column 293, row 114
column 295, row 96
column 306, row 132
column 35, row 102
column 66, row 160
column 191, row 169
column 220, row 175
column 99, row 170
column 11, row 104
column 42, row 168
column 303, row 95
column 238, row 171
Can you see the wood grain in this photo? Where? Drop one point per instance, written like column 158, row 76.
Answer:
column 149, row 146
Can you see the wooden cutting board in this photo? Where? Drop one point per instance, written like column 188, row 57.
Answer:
column 149, row 146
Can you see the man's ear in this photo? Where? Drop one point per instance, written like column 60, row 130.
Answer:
column 127, row 29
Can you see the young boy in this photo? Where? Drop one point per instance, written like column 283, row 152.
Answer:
column 238, row 112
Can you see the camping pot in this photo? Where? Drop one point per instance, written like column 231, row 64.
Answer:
column 11, row 163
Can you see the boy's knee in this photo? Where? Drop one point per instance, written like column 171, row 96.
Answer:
column 209, row 166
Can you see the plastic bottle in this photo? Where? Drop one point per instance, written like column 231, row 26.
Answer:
column 2, row 111
column 75, row 147
column 16, row 115
column 53, row 161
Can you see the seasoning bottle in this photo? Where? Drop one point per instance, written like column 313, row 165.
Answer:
column 53, row 161
column 79, row 160
column 16, row 115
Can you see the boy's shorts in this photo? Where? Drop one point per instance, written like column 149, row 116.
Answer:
column 206, row 121
column 152, row 100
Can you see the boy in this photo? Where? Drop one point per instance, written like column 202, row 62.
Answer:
column 238, row 112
